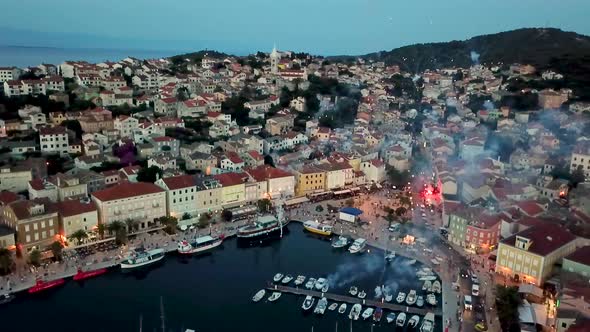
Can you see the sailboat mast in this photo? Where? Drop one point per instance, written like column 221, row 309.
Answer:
column 140, row 323
column 162, row 315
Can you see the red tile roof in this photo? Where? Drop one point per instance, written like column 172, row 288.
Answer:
column 545, row 239
column 265, row 172
column 377, row 163
column 7, row 197
column 169, row 100
column 126, row 190
column 178, row 182
column 37, row 184
column 255, row 155
column 74, row 207
column 230, row 179
column 58, row 130
column 581, row 256
column 530, row 208
column 233, row 157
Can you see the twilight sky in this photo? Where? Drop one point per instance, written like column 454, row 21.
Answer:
column 242, row 26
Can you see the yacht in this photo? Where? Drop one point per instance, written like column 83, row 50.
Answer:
column 259, row 295
column 299, row 280
column 390, row 317
column 200, row 244
column 401, row 319
column 414, row 320
column 353, row 290
column 140, row 257
column 368, row 313
column 320, row 283
column 427, row 323
column 341, row 242
column 318, row 228
column 420, row 301
column 401, row 296
column 310, row 282
column 357, row 246
column 342, row 308
column 321, row 306
column 287, row 279
column 355, row 312
column 274, row 296
column 411, row 299
column 278, row 277
column 308, row 302
column 362, row 294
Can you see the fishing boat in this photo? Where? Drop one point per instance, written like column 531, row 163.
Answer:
column 357, row 246
column 436, row 288
column 389, row 257
column 378, row 314
column 41, row 285
column 368, row 313
column 333, row 306
column 353, row 290
column 259, row 295
column 401, row 296
column 411, row 299
column 342, row 308
column 341, row 242
column 401, row 319
column 308, row 302
column 6, row 298
column 310, row 282
column 414, row 320
column 428, row 278
column 321, row 306
column 140, row 257
column 420, row 301
column 81, row 275
column 278, row 277
column 427, row 323
column 299, row 280
column 431, row 299
column 274, row 296
column 320, row 283
column 200, row 244
column 318, row 228
column 287, row 279
column 427, row 285
column 362, row 294
column 388, row 297
column 355, row 312
column 390, row 317
column 263, row 226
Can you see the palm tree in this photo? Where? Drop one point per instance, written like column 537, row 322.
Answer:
column 132, row 225
column 35, row 257
column 56, row 249
column 79, row 235
column 6, row 261
column 101, row 228
column 119, row 229
column 170, row 222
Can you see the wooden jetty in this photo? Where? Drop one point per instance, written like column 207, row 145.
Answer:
column 349, row 299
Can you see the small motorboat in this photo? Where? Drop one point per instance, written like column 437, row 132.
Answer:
column 320, row 283
column 401, row 296
column 389, row 257
column 277, row 277
column 388, row 297
column 412, row 262
column 342, row 308
column 401, row 319
column 378, row 314
column 414, row 320
column 259, row 295
column 427, row 323
column 6, row 298
column 411, row 299
column 353, row 290
column 308, row 302
column 325, row 288
column 390, row 317
column 300, row 280
column 436, row 288
column 431, row 299
column 274, row 296
column 341, row 242
column 333, row 306
column 321, row 306
column 362, row 294
column 287, row 279
column 368, row 313
column 420, row 301
column 355, row 312
column 310, row 282
column 427, row 285
column 430, row 278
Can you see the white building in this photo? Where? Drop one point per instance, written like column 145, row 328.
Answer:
column 14, row 179
column 54, row 140
column 9, row 73
column 280, row 183
column 126, row 125
column 181, row 195
column 77, row 215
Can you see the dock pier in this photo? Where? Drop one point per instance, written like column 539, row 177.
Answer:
column 353, row 300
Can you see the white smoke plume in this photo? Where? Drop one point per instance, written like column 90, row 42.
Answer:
column 474, row 57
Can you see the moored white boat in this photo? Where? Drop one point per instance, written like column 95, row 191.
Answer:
column 362, row 294
column 436, row 287
column 300, row 280
column 390, row 317
column 411, row 299
column 333, row 306
column 274, row 296
column 342, row 308
column 308, row 302
column 140, row 257
column 420, row 301
column 431, row 299
column 325, row 288
column 368, row 313
column 412, row 262
column 278, row 277
column 321, row 306
column 414, row 320
column 200, row 244
column 353, row 290
column 388, row 297
column 320, row 283
column 357, row 246
column 401, row 296
column 287, row 279
column 355, row 312
column 425, row 278
column 264, row 226
column 259, row 295
column 310, row 283
column 341, row 242
column 401, row 319
column 427, row 285
column 427, row 323
column 389, row 257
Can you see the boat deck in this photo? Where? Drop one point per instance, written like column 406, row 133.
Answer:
column 349, row 299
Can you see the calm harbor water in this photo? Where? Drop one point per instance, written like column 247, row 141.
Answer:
column 213, row 292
